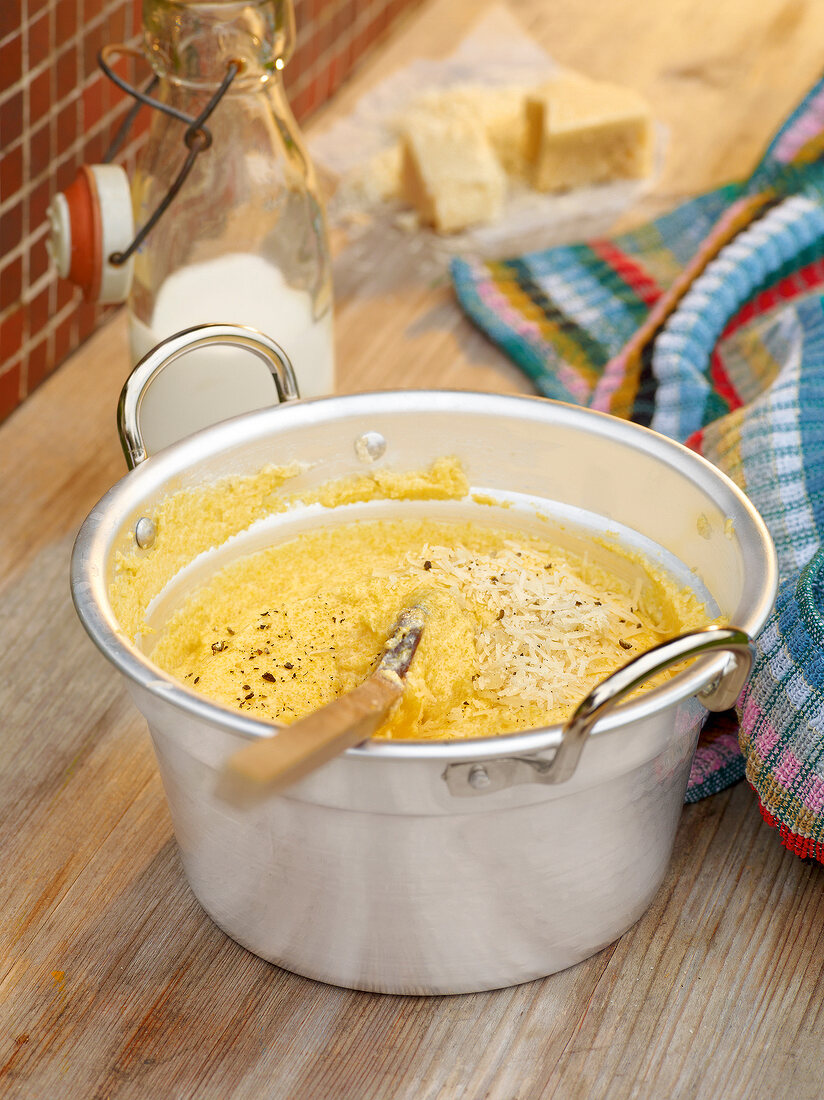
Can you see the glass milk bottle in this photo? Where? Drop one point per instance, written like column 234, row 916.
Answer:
column 244, row 241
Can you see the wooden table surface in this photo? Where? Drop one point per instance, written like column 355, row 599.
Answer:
column 113, row 983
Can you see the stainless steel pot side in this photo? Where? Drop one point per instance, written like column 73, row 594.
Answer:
column 440, row 867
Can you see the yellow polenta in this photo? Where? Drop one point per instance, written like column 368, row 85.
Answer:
column 517, row 629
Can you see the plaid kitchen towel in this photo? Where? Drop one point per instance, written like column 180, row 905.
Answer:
column 774, row 449
column 738, row 374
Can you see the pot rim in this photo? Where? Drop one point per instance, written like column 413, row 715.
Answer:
column 106, row 519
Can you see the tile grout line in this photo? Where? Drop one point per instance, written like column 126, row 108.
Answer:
column 23, row 380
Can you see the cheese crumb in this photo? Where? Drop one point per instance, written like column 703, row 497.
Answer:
column 378, row 179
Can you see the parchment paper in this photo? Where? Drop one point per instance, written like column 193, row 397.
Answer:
column 495, row 52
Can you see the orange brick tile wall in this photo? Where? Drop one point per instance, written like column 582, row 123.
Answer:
column 58, row 111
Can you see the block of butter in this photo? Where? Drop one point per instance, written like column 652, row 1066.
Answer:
column 581, row 131
column 449, row 171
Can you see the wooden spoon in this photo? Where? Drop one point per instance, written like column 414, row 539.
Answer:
column 269, row 765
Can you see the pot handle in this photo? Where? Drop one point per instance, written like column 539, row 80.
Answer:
column 190, row 339
column 720, row 694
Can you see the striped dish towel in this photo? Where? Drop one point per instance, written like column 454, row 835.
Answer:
column 736, row 372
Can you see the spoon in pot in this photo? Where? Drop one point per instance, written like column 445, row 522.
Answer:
column 267, row 766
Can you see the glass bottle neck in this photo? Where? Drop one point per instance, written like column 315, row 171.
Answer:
column 192, row 42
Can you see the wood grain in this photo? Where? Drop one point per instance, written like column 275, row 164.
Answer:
column 113, row 983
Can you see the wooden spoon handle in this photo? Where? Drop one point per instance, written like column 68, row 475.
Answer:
column 267, row 766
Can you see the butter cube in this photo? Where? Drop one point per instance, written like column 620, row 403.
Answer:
column 449, row 172
column 581, row 131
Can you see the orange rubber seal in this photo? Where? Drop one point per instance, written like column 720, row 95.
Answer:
column 86, row 260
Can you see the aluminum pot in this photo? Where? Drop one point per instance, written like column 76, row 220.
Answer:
column 455, row 866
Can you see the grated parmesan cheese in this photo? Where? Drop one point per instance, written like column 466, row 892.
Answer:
column 550, row 635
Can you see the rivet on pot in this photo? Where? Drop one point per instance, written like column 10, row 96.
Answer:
column 478, row 777
column 710, row 687
column 370, row 446
column 145, row 532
